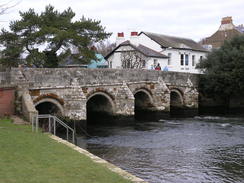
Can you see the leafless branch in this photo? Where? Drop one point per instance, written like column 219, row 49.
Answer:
column 132, row 60
column 6, row 6
column 105, row 47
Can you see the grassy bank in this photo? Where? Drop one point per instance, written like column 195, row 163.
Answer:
column 34, row 157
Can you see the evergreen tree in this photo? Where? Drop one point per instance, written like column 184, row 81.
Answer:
column 48, row 38
column 224, row 70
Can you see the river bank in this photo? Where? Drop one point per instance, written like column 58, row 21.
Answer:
column 34, row 157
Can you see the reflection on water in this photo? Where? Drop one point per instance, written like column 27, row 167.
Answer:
column 200, row 149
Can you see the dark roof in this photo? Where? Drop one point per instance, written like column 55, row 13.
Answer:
column 140, row 48
column 125, row 43
column 218, row 38
column 174, row 42
column 149, row 52
column 240, row 28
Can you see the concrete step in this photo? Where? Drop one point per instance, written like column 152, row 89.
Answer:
column 19, row 121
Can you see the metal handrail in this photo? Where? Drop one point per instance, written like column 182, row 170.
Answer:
column 54, row 119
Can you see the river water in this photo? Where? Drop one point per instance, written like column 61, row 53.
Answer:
column 201, row 149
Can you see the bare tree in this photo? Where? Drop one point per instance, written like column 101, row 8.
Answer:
column 132, row 60
column 105, row 47
column 6, row 6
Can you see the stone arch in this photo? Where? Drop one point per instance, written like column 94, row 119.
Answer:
column 51, row 96
column 100, row 108
column 146, row 91
column 176, row 98
column 143, row 104
column 49, row 106
column 104, row 94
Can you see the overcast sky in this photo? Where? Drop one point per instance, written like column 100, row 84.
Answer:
column 193, row 19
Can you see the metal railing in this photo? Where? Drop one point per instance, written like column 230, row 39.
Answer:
column 52, row 124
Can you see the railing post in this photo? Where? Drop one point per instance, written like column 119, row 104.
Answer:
column 73, row 137
column 49, row 124
column 37, row 123
column 32, row 121
column 54, row 126
column 67, row 134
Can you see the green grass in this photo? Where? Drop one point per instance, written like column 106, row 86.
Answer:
column 34, row 157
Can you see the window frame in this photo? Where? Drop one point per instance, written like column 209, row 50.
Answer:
column 182, row 59
column 186, row 60
column 193, row 57
column 170, row 59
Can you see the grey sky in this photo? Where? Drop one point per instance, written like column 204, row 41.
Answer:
column 193, row 19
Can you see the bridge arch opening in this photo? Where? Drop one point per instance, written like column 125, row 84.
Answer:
column 143, row 104
column 99, row 109
column 48, row 106
column 176, row 102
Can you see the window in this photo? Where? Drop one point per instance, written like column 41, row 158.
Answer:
column 169, row 59
column 193, row 60
column 143, row 63
column 201, row 58
column 155, row 62
column 186, row 59
column 110, row 63
column 182, row 59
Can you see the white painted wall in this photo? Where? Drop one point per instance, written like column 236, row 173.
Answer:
column 175, row 65
column 146, row 41
column 176, row 60
column 175, row 55
column 115, row 59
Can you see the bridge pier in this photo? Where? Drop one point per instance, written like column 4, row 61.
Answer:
column 184, row 100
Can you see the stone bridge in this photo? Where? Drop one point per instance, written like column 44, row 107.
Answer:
column 75, row 92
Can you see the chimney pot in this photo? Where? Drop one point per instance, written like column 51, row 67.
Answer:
column 120, row 38
column 134, row 33
column 120, row 34
column 226, row 20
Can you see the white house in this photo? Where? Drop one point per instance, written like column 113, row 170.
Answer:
column 172, row 53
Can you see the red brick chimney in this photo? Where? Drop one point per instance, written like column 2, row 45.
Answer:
column 226, row 20
column 226, row 24
column 134, row 33
column 120, row 34
column 134, row 39
column 120, row 38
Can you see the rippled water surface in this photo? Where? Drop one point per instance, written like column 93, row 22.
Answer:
column 200, row 149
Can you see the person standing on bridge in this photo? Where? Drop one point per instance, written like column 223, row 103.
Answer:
column 158, row 67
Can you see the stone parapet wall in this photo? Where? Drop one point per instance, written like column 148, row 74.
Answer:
column 60, row 77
